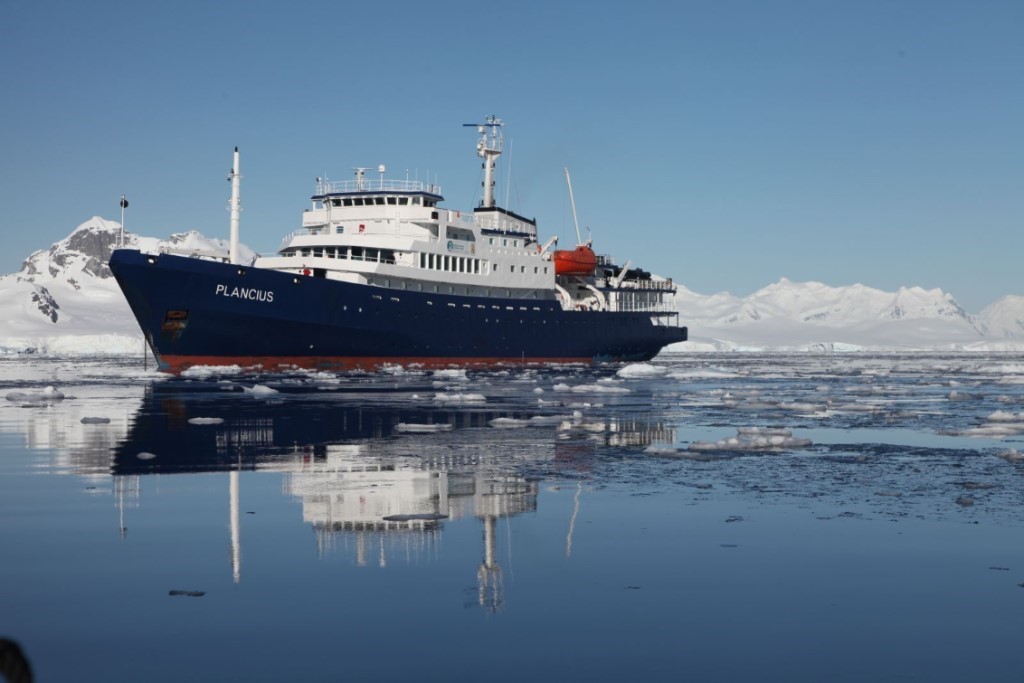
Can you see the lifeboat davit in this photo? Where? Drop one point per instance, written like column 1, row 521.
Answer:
column 579, row 261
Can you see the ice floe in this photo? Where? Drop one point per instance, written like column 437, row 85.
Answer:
column 457, row 397
column 260, row 390
column 598, row 389
column 205, row 420
column 204, row 371
column 414, row 428
column 641, row 370
column 456, row 374
column 754, row 439
column 46, row 395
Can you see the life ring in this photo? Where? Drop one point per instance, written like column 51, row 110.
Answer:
column 307, row 271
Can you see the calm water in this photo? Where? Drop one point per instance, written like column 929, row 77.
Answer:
column 527, row 524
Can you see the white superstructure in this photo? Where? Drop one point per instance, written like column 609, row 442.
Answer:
column 395, row 235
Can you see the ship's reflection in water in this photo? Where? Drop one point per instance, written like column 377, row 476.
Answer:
column 378, row 470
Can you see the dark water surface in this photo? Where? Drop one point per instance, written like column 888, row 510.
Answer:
column 522, row 524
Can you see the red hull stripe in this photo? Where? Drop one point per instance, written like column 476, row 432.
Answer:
column 178, row 364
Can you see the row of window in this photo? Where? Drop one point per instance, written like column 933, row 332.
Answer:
column 382, row 201
column 353, row 253
column 452, row 264
column 442, row 262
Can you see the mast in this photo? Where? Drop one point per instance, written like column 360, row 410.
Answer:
column 489, row 149
column 124, row 205
column 235, row 206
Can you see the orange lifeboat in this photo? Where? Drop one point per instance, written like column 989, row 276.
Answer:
column 578, row 261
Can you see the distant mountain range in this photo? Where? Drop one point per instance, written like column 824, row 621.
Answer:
column 811, row 316
column 64, row 300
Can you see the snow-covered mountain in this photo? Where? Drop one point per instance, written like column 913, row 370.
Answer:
column 1004, row 318
column 817, row 317
column 64, row 300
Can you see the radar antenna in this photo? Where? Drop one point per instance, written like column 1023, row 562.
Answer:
column 489, row 149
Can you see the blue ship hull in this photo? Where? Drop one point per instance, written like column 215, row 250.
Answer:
column 201, row 312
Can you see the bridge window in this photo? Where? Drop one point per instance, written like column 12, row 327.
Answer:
column 392, row 201
column 403, row 201
column 379, row 201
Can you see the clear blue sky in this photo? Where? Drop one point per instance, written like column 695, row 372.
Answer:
column 722, row 143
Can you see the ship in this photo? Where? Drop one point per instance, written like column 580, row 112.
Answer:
column 381, row 273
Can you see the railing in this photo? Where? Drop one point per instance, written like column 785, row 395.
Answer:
column 375, row 185
column 651, row 285
column 659, row 285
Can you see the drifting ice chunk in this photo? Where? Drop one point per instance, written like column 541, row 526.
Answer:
column 637, row 370
column 1012, row 455
column 1004, row 416
column 508, row 423
column 47, row 394
column 754, row 439
column 460, row 398
column 702, row 373
column 259, row 390
column 145, row 456
column 458, row 374
column 412, row 428
column 963, row 396
column 205, row 420
column 203, row 371
column 598, row 389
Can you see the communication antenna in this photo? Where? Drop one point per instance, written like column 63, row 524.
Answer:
column 572, row 202
column 489, row 149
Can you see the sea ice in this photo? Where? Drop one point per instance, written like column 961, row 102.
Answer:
column 598, row 389
column 259, row 390
column 963, row 396
column 639, row 370
column 413, row 428
column 1012, row 455
column 205, row 420
column 701, row 373
column 754, row 439
column 508, row 423
column 46, row 395
column 457, row 374
column 1004, row 416
column 204, row 371
column 459, row 398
